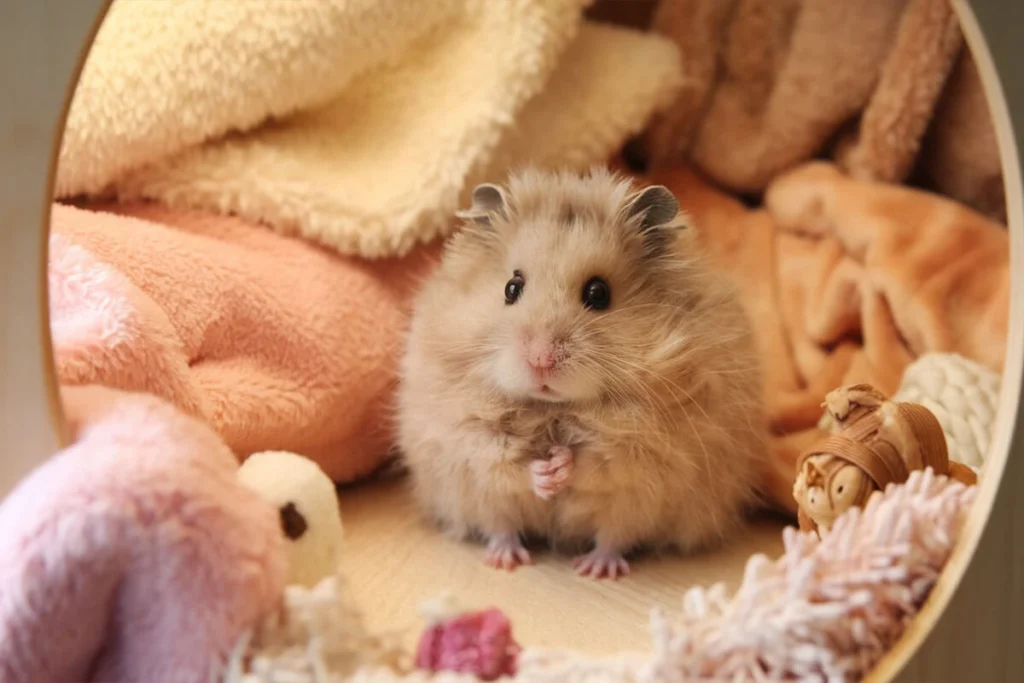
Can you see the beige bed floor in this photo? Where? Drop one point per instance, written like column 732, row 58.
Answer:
column 394, row 562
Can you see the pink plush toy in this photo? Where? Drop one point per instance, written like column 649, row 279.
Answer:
column 134, row 554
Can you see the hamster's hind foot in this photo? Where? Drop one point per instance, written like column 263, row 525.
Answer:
column 552, row 475
column 601, row 563
column 506, row 551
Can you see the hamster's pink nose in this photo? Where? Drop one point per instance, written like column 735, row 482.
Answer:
column 541, row 357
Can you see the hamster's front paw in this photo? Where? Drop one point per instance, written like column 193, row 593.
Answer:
column 600, row 563
column 506, row 551
column 550, row 476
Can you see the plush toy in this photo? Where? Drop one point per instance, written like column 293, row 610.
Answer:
column 307, row 504
column 134, row 554
column 872, row 442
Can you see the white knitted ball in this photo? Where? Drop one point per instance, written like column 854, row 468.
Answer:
column 962, row 394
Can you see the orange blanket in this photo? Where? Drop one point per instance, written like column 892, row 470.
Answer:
column 848, row 281
column 277, row 344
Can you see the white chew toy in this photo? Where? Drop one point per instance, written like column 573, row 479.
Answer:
column 308, row 505
column 963, row 395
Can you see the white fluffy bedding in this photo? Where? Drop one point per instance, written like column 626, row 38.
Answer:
column 825, row 610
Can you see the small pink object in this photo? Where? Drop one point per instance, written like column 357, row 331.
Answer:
column 479, row 643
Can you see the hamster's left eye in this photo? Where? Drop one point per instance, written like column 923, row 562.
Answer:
column 597, row 294
column 514, row 288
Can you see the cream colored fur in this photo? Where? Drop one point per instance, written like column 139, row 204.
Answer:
column 382, row 115
column 164, row 76
column 383, row 167
column 662, row 389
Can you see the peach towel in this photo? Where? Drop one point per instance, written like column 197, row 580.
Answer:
column 277, row 344
column 848, row 281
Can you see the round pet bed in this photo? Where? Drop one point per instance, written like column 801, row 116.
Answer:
column 967, row 629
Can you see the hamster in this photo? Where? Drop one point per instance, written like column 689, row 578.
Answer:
column 574, row 370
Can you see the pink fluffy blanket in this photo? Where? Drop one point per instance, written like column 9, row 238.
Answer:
column 274, row 342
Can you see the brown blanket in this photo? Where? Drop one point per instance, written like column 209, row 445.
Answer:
column 848, row 281
column 771, row 84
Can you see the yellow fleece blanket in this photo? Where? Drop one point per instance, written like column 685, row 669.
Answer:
column 358, row 124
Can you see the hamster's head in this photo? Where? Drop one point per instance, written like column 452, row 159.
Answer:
column 554, row 288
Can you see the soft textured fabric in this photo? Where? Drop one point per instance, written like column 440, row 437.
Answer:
column 962, row 395
column 825, row 609
column 133, row 554
column 384, row 166
column 773, row 82
column 848, row 281
column 886, row 142
column 277, row 344
column 942, row 269
column 164, row 76
column 604, row 90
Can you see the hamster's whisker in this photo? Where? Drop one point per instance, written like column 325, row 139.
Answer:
column 721, row 428
column 615, row 386
column 465, row 346
column 669, row 385
column 623, row 395
column 641, row 390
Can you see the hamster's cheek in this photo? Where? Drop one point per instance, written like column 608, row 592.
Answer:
column 510, row 372
column 577, row 386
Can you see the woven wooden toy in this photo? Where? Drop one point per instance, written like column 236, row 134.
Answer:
column 872, row 442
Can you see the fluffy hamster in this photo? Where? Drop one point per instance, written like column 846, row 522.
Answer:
column 575, row 371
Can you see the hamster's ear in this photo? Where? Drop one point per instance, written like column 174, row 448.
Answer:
column 488, row 200
column 656, row 207
column 657, row 204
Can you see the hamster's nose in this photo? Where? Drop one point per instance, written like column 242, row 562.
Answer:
column 541, row 357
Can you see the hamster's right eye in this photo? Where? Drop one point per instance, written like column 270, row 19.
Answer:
column 514, row 288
